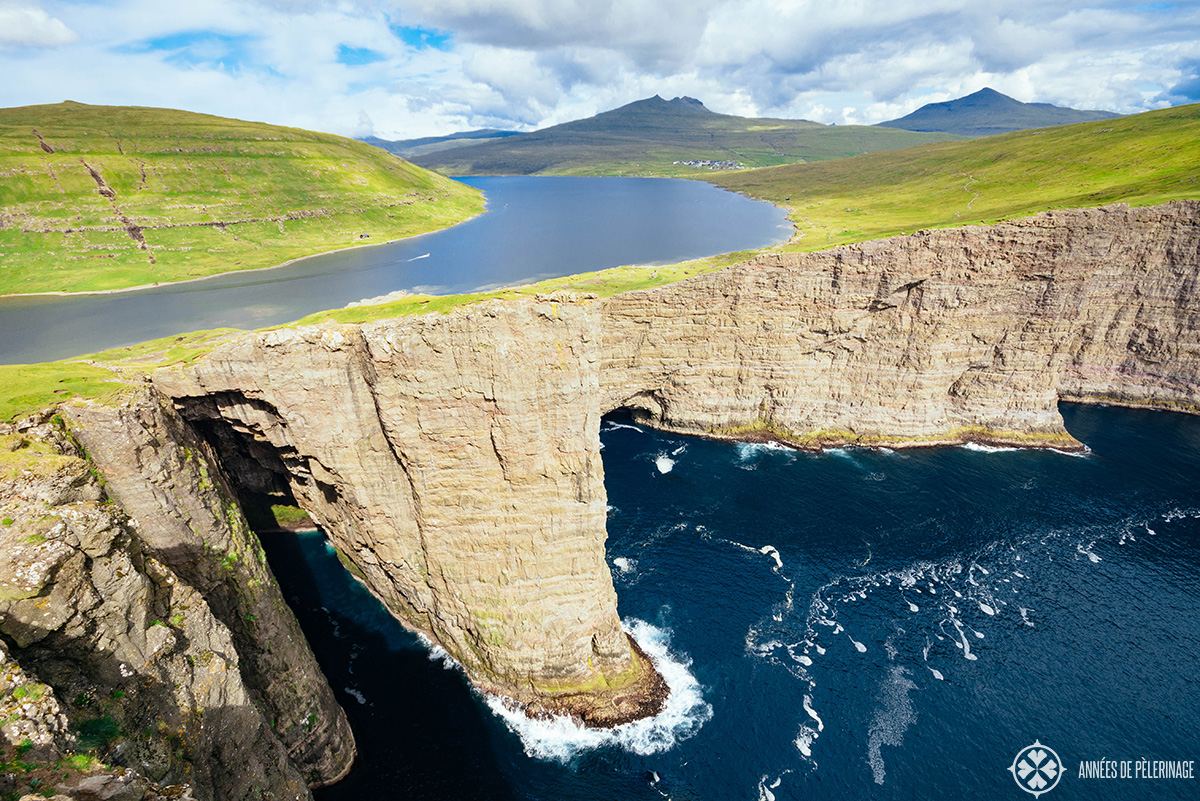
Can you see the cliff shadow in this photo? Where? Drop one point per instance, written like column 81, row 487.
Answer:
column 415, row 720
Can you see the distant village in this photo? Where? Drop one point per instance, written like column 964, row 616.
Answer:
column 714, row 165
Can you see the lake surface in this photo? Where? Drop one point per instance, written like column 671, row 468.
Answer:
column 849, row 625
column 535, row 228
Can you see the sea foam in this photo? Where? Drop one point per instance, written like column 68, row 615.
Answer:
column 561, row 738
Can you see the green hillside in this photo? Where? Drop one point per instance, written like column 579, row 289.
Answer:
column 107, row 197
column 1142, row 160
column 649, row 136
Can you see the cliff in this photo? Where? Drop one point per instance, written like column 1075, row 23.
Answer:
column 946, row 336
column 130, row 586
column 454, row 459
column 454, row 463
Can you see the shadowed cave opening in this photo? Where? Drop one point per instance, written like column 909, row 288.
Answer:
column 410, row 714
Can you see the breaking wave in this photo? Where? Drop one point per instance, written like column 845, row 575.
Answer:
column 561, row 738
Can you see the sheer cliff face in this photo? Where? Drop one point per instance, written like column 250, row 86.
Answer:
column 454, row 462
column 943, row 336
column 138, row 625
column 454, row 459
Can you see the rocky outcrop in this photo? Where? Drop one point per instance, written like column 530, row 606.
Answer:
column 454, row 462
column 149, row 688
column 971, row 333
column 167, row 478
column 454, row 459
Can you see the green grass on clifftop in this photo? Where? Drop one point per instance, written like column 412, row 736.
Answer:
column 1141, row 160
column 107, row 197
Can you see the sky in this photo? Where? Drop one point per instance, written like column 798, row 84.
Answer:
column 401, row 69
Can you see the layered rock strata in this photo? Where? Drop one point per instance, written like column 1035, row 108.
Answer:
column 454, row 462
column 454, row 459
column 971, row 333
column 149, row 689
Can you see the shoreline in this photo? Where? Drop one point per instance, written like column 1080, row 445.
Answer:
column 182, row 281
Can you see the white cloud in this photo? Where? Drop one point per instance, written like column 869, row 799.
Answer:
column 347, row 66
column 23, row 25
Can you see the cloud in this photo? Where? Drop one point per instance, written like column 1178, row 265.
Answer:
column 407, row 68
column 23, row 25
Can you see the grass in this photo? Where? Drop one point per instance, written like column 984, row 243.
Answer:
column 107, row 197
column 108, row 375
column 649, row 136
column 1142, row 160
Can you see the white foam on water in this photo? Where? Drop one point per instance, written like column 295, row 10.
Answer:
column 804, row 741
column 893, row 716
column 965, row 644
column 812, row 713
column 764, row 792
column 773, row 552
column 862, row 649
column 937, row 674
column 1151, row 531
column 356, row 695
column 437, row 653
column 1025, row 617
column 1088, row 552
column 986, row 609
column 664, row 463
column 561, row 738
column 679, row 450
column 975, row 446
column 613, row 426
column 820, row 650
column 625, row 565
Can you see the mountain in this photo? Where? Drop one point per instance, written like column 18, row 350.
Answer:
column 408, row 148
column 108, row 197
column 988, row 112
column 1141, row 159
column 665, row 137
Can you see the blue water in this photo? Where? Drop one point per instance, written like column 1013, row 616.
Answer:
column 535, row 228
column 1054, row 595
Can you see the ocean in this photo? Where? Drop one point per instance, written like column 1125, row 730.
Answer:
column 859, row 623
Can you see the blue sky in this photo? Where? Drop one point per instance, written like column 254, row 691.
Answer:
column 408, row 68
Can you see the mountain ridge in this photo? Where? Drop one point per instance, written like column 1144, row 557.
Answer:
column 655, row 136
column 988, row 112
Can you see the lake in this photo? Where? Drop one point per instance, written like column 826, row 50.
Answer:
column 855, row 624
column 534, row 228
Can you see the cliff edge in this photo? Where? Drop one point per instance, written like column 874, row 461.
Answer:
column 454, row 459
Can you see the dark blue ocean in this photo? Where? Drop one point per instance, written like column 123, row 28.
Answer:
column 849, row 625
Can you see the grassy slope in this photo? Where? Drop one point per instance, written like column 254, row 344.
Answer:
column 647, row 137
column 106, row 376
column 1146, row 159
column 207, row 195
column 1142, row 160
